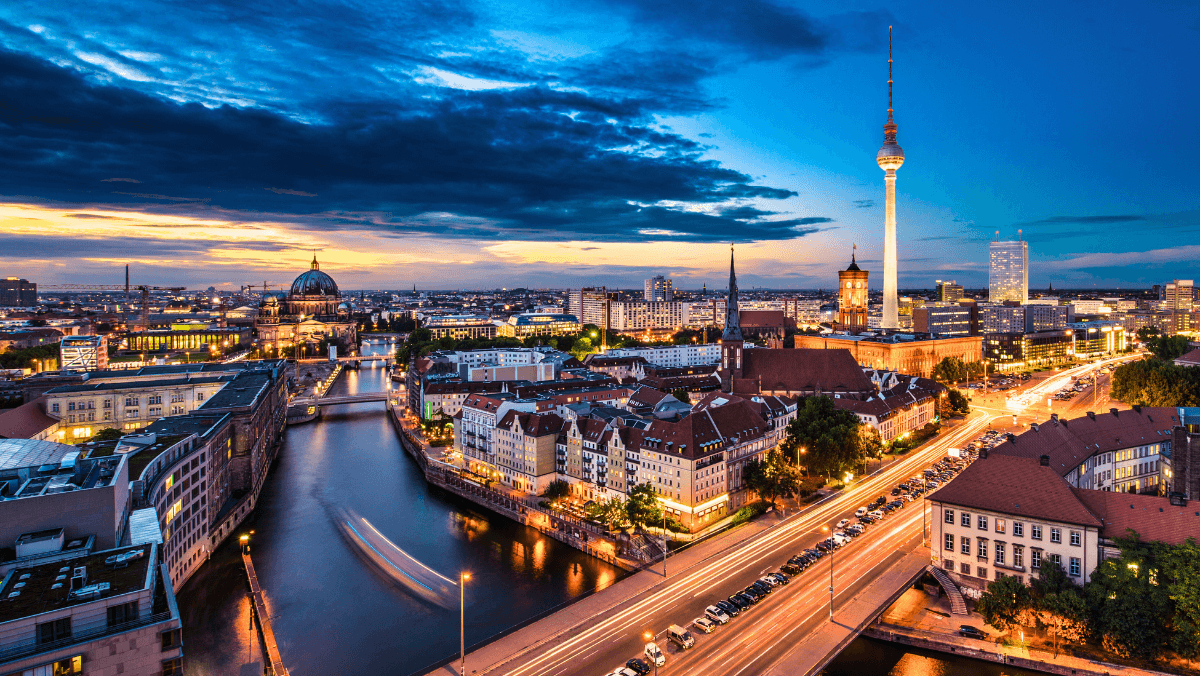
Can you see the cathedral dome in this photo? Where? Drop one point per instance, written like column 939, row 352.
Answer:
column 314, row 283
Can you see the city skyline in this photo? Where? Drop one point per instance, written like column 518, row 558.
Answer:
column 595, row 157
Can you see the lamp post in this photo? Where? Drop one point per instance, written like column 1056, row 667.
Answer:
column 664, row 540
column 649, row 636
column 831, row 550
column 462, row 614
column 244, row 540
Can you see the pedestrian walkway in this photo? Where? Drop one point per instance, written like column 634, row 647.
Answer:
column 958, row 606
column 264, row 621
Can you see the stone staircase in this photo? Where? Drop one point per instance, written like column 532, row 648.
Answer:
column 958, row 606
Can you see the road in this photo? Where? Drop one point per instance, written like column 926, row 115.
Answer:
column 763, row 634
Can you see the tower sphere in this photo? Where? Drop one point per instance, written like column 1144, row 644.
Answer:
column 890, row 156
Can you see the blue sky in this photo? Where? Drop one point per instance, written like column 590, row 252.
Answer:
column 468, row 145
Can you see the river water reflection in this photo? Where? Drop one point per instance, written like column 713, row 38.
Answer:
column 331, row 612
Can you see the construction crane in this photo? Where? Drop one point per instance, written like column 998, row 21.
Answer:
column 120, row 287
column 264, row 286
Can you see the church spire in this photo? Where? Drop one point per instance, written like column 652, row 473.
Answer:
column 315, row 265
column 733, row 323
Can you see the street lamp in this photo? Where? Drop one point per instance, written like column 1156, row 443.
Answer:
column 462, row 614
column 831, row 550
column 244, row 540
column 649, row 636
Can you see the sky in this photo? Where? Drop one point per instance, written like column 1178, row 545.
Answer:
column 541, row 143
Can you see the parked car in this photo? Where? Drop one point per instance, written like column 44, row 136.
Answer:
column 782, row 578
column 877, row 515
column 716, row 614
column 790, row 568
column 843, row 523
column 654, row 655
column 860, row 512
column 968, row 631
column 704, row 624
column 728, row 608
column 740, row 600
column 638, row 666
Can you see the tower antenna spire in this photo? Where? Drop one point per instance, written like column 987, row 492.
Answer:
column 889, row 73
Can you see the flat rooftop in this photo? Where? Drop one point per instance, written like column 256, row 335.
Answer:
column 39, row 595
column 22, row 453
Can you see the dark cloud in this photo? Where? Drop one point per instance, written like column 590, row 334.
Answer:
column 864, row 204
column 89, row 216
column 120, row 180
column 529, row 163
column 75, row 247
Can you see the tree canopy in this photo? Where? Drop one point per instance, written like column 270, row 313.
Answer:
column 952, row 370
column 834, row 439
column 1152, row 382
column 642, row 508
column 771, row 477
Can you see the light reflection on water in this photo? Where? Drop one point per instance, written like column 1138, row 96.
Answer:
column 331, row 613
column 870, row 657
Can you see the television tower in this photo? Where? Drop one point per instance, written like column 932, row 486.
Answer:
column 890, row 157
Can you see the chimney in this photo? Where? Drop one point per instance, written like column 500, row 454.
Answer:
column 1033, row 426
column 1114, row 412
column 1092, row 415
column 983, row 453
column 1044, row 461
column 1012, row 438
column 1137, row 408
column 1054, row 417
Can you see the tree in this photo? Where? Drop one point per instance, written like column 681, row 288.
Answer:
column 1179, row 570
column 557, row 490
column 1005, row 602
column 771, row 477
column 682, row 395
column 610, row 512
column 1168, row 348
column 957, row 402
column 1152, row 382
column 1059, row 603
column 107, row 434
column 642, row 508
column 952, row 370
column 832, row 437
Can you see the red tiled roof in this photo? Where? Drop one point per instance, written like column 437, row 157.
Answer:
column 647, row 396
column 26, row 420
column 1152, row 517
column 1070, row 442
column 532, row 424
column 802, row 370
column 1017, row 486
column 1189, row 359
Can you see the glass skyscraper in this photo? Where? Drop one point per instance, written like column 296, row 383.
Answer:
column 1008, row 271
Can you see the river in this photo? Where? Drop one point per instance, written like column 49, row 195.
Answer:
column 331, row 612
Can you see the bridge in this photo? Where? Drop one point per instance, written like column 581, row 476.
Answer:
column 386, row 359
column 342, row 399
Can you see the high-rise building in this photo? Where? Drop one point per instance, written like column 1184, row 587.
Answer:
column 658, row 288
column 942, row 320
column 852, row 297
column 1180, row 295
column 1008, row 271
column 17, row 292
column 1048, row 317
column 948, row 291
column 889, row 158
column 590, row 305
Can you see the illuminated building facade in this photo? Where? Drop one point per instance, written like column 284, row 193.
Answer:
column 1008, row 271
column 852, row 297
column 890, row 158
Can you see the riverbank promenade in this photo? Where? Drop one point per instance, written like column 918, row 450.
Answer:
column 600, row 632
column 274, row 659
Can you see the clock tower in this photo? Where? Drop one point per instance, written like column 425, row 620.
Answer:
column 852, row 297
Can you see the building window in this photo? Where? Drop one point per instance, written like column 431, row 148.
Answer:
column 1035, row 558
column 107, row 403
column 1056, row 559
column 949, row 542
column 1018, row 556
column 949, row 517
column 1075, row 567
column 965, row 568
column 172, row 666
column 54, row 408
column 1018, row 529
column 966, row 520
column 1000, row 525
column 71, row 406
column 1035, row 532
column 1000, row 553
column 122, row 613
column 981, row 552
column 966, row 546
column 981, row 572
column 1056, row 535
column 1075, row 538
column 983, row 522
column 54, row 630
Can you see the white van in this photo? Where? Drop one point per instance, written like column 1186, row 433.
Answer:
column 860, row 512
column 654, row 655
column 679, row 636
column 876, row 514
column 839, row 539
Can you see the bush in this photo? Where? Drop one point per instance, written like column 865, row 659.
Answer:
column 750, row 512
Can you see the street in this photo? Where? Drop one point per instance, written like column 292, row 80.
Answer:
column 765, row 632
